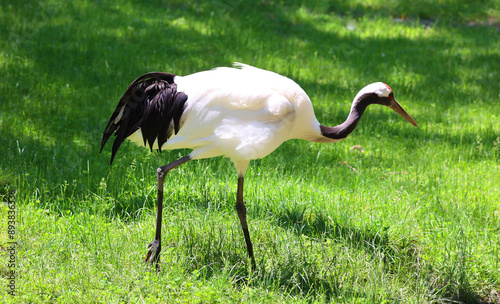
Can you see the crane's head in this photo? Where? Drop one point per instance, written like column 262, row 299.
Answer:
column 380, row 93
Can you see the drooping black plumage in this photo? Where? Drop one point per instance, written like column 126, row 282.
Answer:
column 151, row 103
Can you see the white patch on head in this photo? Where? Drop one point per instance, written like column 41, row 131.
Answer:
column 379, row 88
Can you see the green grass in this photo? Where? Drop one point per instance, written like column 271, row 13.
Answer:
column 413, row 219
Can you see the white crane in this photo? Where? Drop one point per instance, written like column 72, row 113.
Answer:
column 242, row 113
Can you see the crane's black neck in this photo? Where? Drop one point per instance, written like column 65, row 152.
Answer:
column 358, row 108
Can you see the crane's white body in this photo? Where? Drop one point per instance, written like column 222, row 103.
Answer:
column 241, row 113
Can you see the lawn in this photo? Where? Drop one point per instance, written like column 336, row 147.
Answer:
column 413, row 218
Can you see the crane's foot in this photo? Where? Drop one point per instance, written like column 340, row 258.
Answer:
column 153, row 255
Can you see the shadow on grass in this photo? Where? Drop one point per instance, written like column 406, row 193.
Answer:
column 319, row 225
column 397, row 254
column 218, row 248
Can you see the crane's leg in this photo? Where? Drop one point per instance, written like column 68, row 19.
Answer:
column 242, row 214
column 153, row 255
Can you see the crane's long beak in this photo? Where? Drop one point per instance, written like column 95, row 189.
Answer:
column 399, row 109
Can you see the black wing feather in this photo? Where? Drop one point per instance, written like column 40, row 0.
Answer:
column 151, row 103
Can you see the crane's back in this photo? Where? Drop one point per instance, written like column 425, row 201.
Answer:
column 242, row 113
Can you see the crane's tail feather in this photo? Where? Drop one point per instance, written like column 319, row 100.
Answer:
column 152, row 104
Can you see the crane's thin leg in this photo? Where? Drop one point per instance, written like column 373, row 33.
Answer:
column 153, row 255
column 242, row 214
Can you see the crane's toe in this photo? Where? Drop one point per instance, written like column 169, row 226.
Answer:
column 153, row 255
